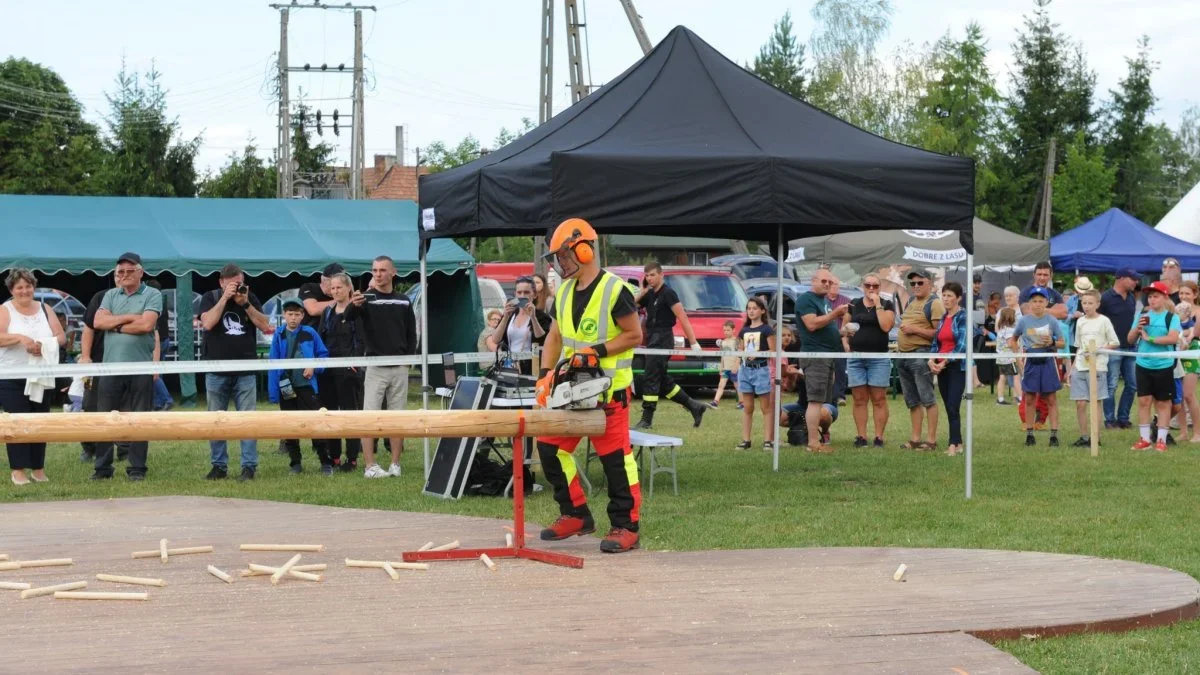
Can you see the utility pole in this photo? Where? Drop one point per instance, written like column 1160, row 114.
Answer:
column 580, row 87
column 635, row 22
column 284, row 153
column 357, row 135
column 1047, row 192
column 545, row 106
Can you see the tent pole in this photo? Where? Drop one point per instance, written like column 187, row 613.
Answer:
column 777, row 407
column 424, row 345
column 969, row 389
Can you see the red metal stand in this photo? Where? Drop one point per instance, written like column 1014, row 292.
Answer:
column 518, row 549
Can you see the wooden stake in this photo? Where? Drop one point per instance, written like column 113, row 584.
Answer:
column 256, row 570
column 900, row 571
column 508, row 539
column 137, row 581
column 219, row 574
column 279, row 573
column 24, row 564
column 268, row 571
column 1093, row 400
column 305, row 548
column 50, row 590
column 85, row 595
column 446, row 547
column 162, row 550
column 381, row 563
column 188, row 550
column 201, row 426
column 391, row 571
column 13, row 586
column 3, row 556
column 426, row 546
column 9, row 566
column 483, row 558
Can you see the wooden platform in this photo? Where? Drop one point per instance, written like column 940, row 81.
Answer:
column 786, row 610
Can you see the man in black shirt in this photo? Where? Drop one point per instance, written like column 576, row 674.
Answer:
column 315, row 296
column 663, row 309
column 230, row 315
column 1119, row 304
column 390, row 328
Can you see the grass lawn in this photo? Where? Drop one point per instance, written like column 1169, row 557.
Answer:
column 1122, row 505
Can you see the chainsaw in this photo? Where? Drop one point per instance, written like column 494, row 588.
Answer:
column 579, row 383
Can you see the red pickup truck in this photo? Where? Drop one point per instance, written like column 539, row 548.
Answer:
column 710, row 296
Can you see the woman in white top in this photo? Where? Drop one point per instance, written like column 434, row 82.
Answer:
column 24, row 324
column 522, row 326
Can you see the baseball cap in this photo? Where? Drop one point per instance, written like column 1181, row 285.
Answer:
column 918, row 273
column 332, row 269
column 1040, row 290
column 977, row 278
column 1158, row 287
column 131, row 257
column 1128, row 273
column 292, row 302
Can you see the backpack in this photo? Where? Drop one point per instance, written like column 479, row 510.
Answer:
column 489, row 478
column 928, row 308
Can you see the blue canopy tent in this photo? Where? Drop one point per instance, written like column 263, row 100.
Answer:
column 1115, row 239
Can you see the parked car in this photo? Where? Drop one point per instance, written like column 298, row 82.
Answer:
column 791, row 290
column 749, row 267
column 710, row 296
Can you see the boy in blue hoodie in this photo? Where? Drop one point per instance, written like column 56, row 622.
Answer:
column 296, row 389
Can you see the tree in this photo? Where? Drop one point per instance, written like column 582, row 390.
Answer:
column 504, row 137
column 439, row 156
column 46, row 147
column 1173, row 172
column 245, row 176
column 1078, row 105
column 1129, row 133
column 145, row 156
column 310, row 159
column 1083, row 186
column 781, row 60
column 1034, row 115
column 846, row 72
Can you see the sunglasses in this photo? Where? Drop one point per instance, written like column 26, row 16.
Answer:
column 870, row 285
column 914, row 284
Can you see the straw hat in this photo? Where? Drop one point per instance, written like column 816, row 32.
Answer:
column 1083, row 285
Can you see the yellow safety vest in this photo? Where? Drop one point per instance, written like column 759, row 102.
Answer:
column 596, row 326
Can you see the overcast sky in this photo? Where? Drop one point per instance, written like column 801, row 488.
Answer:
column 446, row 68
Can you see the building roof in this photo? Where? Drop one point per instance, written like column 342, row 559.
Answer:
column 391, row 181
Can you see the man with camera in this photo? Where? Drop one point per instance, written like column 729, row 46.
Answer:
column 230, row 314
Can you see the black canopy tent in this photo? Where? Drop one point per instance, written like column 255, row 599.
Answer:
column 687, row 142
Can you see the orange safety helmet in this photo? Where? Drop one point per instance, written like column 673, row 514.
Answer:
column 576, row 235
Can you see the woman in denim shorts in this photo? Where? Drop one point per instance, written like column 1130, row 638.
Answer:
column 866, row 330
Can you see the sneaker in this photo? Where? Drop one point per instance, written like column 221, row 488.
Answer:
column 1142, row 444
column 394, row 471
column 296, row 468
column 741, row 406
column 86, row 456
column 1054, row 441
column 327, row 469
column 217, row 473
column 1082, row 443
column 878, row 442
column 1003, row 402
column 1111, row 425
column 375, row 471
column 768, row 446
column 821, row 449
column 136, row 477
column 860, row 442
column 619, row 540
column 1125, row 425
column 1160, row 446
column 246, row 474
column 1170, row 439
column 1029, row 441
column 713, row 404
column 101, row 476
column 744, row 445
column 346, row 467
column 568, row 526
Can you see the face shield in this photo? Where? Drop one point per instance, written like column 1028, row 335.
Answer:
column 563, row 261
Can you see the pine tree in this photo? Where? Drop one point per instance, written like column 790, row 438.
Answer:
column 1130, row 137
column 1083, row 186
column 1078, row 107
column 781, row 60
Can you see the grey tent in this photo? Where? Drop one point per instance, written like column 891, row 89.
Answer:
column 995, row 248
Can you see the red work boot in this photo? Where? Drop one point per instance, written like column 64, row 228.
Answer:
column 568, row 526
column 619, row 540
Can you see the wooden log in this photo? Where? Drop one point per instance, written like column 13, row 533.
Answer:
column 25, row 564
column 13, row 586
column 136, row 581
column 256, row 570
column 223, row 576
column 187, row 550
column 304, row 548
column 391, row 571
column 279, row 573
column 483, row 558
column 50, row 590
column 201, row 426
column 87, row 595
column 162, row 550
column 380, row 563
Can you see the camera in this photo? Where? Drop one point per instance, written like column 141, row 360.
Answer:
column 522, row 303
column 286, row 390
column 243, row 289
